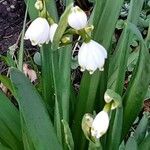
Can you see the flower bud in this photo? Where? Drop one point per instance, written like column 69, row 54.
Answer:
column 38, row 5
column 66, row 39
column 107, row 98
column 77, row 18
column 86, row 125
column 91, row 56
column 100, row 125
column 89, row 29
column 53, row 29
column 38, row 32
column 114, row 98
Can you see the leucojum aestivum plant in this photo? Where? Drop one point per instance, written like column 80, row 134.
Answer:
column 102, row 113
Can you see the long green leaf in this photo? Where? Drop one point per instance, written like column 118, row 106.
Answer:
column 131, row 144
column 68, row 139
column 10, row 129
column 2, row 147
column 142, row 127
column 145, row 145
column 34, row 113
column 47, row 76
column 85, row 104
column 27, row 142
column 65, row 81
column 117, row 70
column 134, row 96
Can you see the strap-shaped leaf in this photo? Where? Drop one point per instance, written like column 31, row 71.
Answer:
column 68, row 135
column 3, row 147
column 145, row 145
column 33, row 111
column 142, row 127
column 117, row 71
column 10, row 129
column 138, row 85
column 131, row 144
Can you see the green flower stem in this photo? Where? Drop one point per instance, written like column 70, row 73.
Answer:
column 21, row 51
column 107, row 107
column 84, row 35
column 43, row 12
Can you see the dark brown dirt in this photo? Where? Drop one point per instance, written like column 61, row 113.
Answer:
column 11, row 20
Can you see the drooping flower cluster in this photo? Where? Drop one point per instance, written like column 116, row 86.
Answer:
column 96, row 127
column 91, row 54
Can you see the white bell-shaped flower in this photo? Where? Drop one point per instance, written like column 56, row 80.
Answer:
column 77, row 18
column 100, row 124
column 38, row 32
column 53, row 29
column 91, row 56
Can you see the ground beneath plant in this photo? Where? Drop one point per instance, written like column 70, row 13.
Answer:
column 11, row 22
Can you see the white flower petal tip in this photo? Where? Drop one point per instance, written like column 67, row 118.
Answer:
column 100, row 125
column 53, row 29
column 82, row 69
column 77, row 18
column 91, row 72
column 101, row 69
column 38, row 32
column 92, row 56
